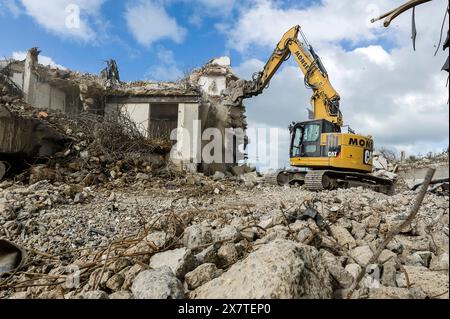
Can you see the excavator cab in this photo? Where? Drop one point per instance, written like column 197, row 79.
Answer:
column 306, row 138
column 320, row 144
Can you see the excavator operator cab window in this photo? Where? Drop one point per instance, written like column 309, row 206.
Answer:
column 311, row 136
column 311, row 133
column 305, row 139
column 297, row 142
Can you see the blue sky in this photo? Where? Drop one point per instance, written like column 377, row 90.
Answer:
column 203, row 37
column 387, row 90
column 200, row 44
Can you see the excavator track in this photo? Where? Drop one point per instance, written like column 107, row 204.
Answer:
column 279, row 177
column 314, row 181
column 319, row 180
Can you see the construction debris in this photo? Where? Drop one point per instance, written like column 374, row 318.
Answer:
column 112, row 234
column 101, row 213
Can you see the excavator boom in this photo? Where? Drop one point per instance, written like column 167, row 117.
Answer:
column 325, row 99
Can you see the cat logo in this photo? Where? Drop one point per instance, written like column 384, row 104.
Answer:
column 332, row 154
column 368, row 156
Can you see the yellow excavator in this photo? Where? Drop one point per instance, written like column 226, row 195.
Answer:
column 329, row 158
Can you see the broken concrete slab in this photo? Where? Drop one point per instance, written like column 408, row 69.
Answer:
column 180, row 261
column 280, row 269
column 343, row 236
column 197, row 235
column 414, row 177
column 343, row 278
column 362, row 255
column 158, row 283
column 439, row 262
column 414, row 243
column 201, row 275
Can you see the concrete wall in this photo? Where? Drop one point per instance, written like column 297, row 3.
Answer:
column 140, row 114
column 188, row 147
column 39, row 94
column 47, row 97
column 18, row 79
column 213, row 85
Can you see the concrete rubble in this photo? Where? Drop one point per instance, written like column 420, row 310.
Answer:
column 158, row 246
column 98, row 221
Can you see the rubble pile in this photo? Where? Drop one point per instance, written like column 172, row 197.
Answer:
column 174, row 240
column 100, row 214
column 87, row 149
column 411, row 173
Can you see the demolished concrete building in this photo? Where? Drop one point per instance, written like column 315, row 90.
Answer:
column 190, row 105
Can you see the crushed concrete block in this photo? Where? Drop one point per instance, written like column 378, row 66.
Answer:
column 228, row 232
column 197, row 235
column 242, row 169
column 227, row 255
column 414, row 260
column 339, row 274
column 387, row 255
column 380, row 162
column 389, row 273
column 201, row 275
column 131, row 274
column 158, row 283
column 180, row 261
column 281, row 269
column 208, row 255
column 425, row 256
column 222, row 61
column 343, row 237
column 115, row 282
column 439, row 262
column 362, row 255
column 159, row 238
column 414, row 243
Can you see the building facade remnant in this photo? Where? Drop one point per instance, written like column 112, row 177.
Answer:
column 182, row 110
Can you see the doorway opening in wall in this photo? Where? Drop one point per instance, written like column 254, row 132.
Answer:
column 163, row 120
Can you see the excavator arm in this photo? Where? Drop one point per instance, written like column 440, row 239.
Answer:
column 325, row 99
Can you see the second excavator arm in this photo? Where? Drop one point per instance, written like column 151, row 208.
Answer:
column 325, row 99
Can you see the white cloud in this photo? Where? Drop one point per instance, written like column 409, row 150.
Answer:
column 9, row 6
column 149, row 22
column 377, row 55
column 263, row 22
column 44, row 60
column 398, row 96
column 166, row 69
column 66, row 18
